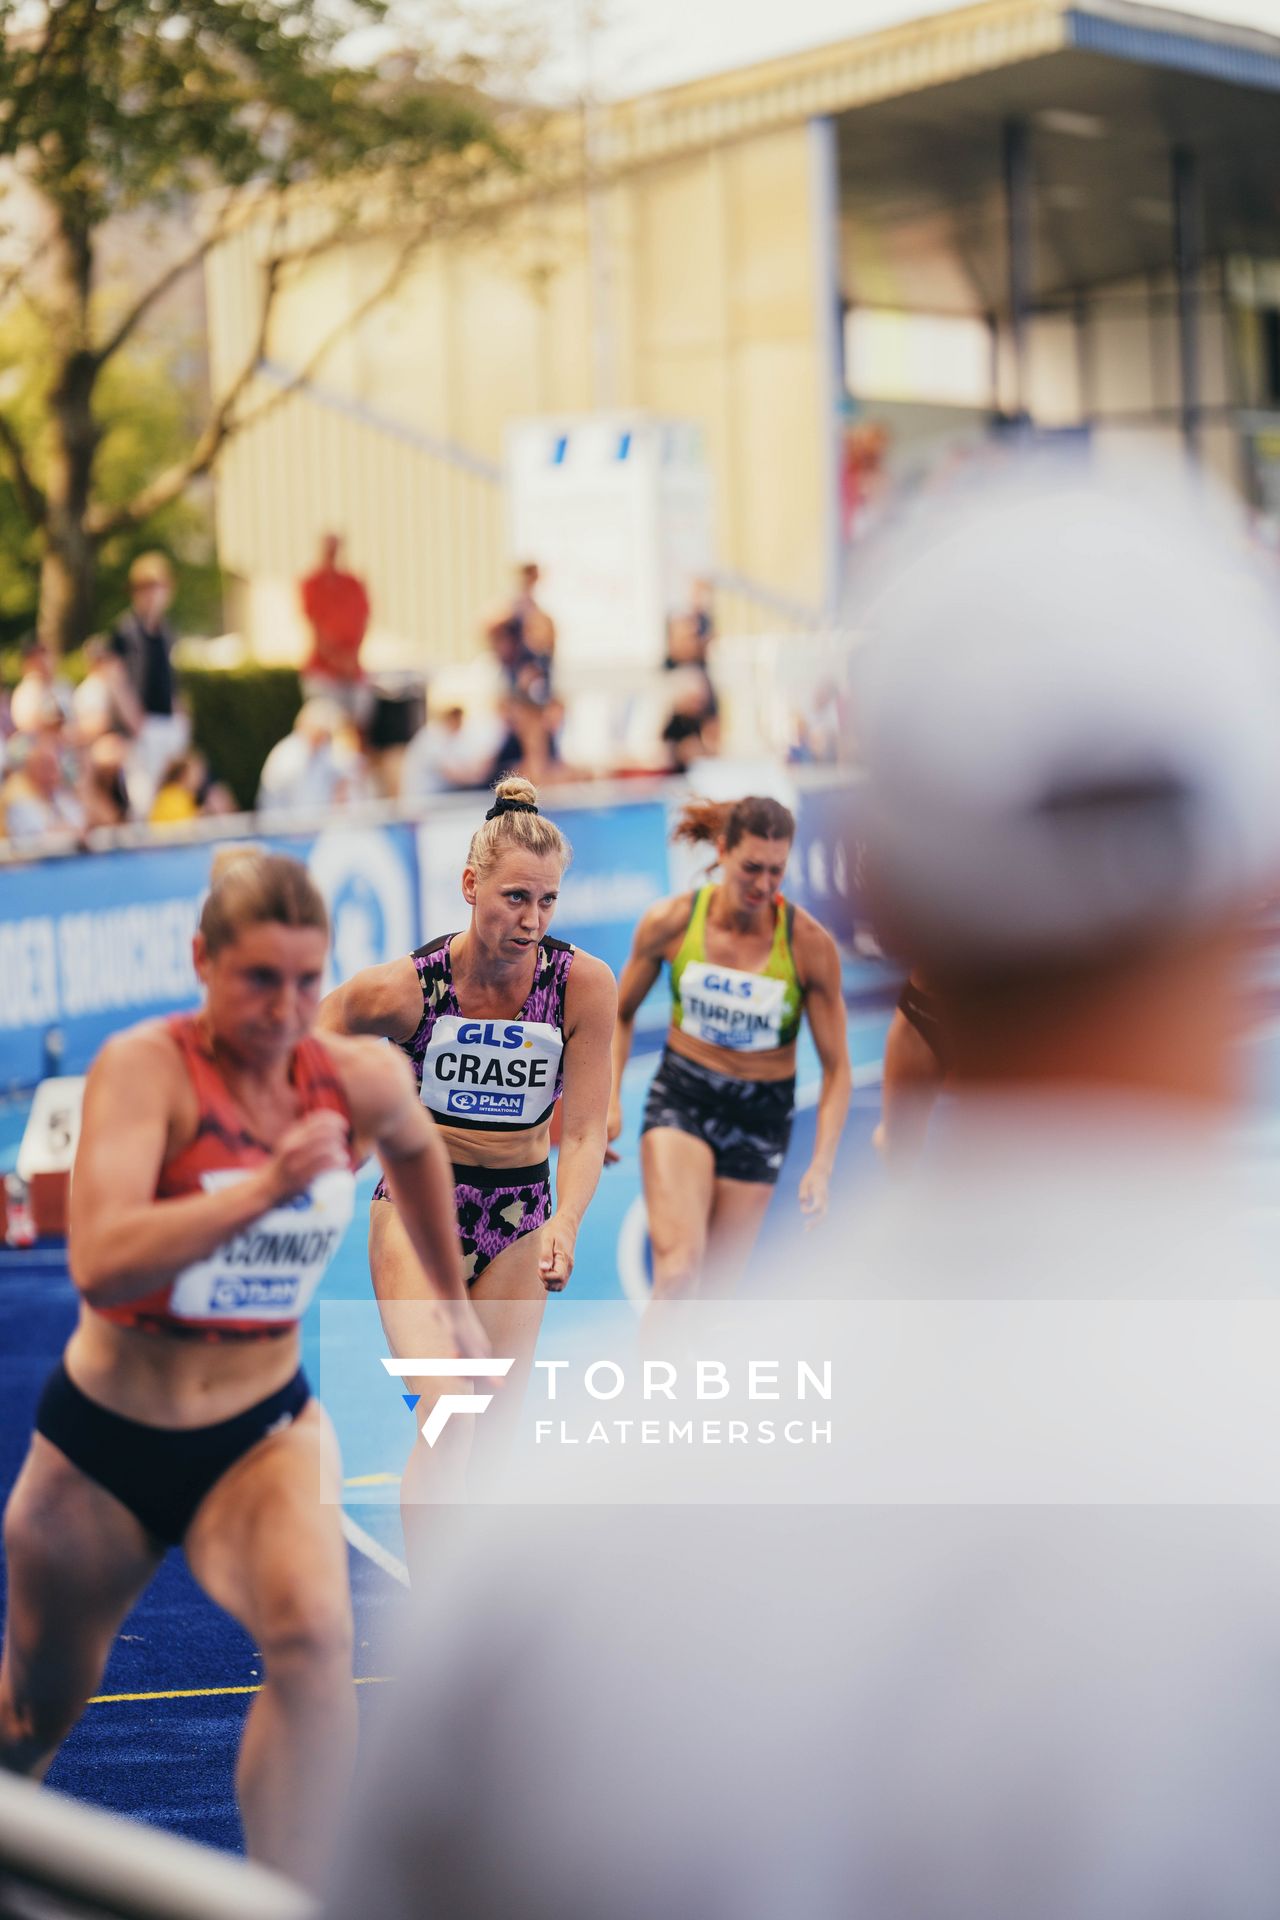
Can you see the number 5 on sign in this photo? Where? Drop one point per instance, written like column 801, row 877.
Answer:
column 53, row 1127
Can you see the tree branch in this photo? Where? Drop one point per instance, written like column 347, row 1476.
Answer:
column 30, row 497
column 170, row 278
column 224, row 422
column 167, row 486
column 12, row 282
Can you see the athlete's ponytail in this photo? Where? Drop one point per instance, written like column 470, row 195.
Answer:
column 724, row 822
column 514, row 821
column 248, row 886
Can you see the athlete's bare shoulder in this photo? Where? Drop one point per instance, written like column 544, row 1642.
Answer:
column 590, row 990
column 663, row 922
column 374, row 1077
column 384, row 1000
column 148, row 1051
column 141, row 1071
column 588, row 970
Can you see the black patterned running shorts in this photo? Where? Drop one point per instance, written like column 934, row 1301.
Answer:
column 746, row 1123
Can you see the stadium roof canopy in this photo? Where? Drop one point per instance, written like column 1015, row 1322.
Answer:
column 1106, row 90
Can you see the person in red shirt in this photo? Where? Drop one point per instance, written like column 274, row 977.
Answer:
column 336, row 607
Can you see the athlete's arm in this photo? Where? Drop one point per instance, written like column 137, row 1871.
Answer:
column 818, row 965
column 385, row 1001
column 590, row 1003
column 657, row 929
column 386, row 1109
column 123, row 1242
column 913, row 1076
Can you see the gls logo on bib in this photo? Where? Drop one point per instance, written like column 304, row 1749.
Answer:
column 501, row 1072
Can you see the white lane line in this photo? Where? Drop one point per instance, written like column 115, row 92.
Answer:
column 373, row 1549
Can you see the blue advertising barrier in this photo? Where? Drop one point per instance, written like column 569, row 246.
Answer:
column 97, row 941
column 94, row 942
column 87, row 946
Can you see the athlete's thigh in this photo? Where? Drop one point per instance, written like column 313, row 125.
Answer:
column 737, row 1215
column 77, row 1561
column 510, row 1299
column 412, row 1319
column 679, row 1175
column 266, row 1540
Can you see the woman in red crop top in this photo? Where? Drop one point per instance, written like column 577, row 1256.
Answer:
column 213, row 1182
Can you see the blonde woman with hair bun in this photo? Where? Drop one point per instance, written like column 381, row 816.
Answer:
column 500, row 1021
column 213, row 1184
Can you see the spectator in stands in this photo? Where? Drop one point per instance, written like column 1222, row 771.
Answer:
column 41, row 692
column 820, row 728
column 692, row 730
column 181, row 791
column 144, row 639
column 523, row 635
column 688, row 637
column 35, row 798
column 336, row 607
column 531, row 747
column 105, row 701
column 448, row 754
column 702, row 611
column 103, row 795
column 315, row 766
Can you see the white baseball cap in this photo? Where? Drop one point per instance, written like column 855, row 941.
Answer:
column 1068, row 708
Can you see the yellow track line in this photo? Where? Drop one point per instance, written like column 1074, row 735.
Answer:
column 205, row 1693
column 374, row 1480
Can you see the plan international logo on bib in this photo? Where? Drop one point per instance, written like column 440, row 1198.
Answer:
column 486, row 1106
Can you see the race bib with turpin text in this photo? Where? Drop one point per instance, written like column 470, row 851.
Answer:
column 270, row 1269
column 743, row 1011
column 491, row 1072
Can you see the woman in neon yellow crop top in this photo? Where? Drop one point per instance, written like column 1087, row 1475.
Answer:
column 745, row 965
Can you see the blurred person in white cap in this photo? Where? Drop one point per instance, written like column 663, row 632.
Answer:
column 316, row 765
column 450, row 752
column 1032, row 1671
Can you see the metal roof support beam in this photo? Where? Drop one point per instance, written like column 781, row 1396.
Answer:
column 1018, row 207
column 825, row 163
column 1188, row 247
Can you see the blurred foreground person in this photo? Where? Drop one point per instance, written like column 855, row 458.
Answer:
column 213, row 1182
column 1028, row 1667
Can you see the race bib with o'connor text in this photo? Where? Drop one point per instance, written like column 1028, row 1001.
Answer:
column 270, row 1269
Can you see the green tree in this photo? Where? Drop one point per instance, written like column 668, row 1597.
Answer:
column 144, row 411
column 217, row 111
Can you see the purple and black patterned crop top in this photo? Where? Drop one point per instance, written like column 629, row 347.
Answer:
column 490, row 1075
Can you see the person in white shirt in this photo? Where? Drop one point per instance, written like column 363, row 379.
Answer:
column 313, row 767
column 1017, row 1655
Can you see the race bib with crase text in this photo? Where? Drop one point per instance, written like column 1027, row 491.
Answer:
column 494, row 1072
